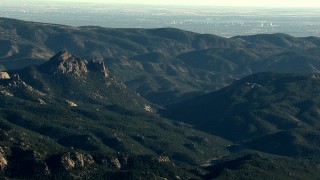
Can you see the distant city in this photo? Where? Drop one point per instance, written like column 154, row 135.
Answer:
column 222, row 21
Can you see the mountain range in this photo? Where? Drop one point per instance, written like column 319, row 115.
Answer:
column 163, row 65
column 101, row 103
column 69, row 115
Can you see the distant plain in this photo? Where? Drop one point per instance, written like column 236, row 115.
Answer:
column 221, row 21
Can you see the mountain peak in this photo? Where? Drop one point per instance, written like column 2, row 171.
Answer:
column 61, row 56
column 67, row 63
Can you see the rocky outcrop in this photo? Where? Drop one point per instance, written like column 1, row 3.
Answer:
column 4, row 75
column 148, row 108
column 72, row 160
column 112, row 162
column 71, row 104
column 42, row 102
column 15, row 86
column 116, row 163
column 66, row 63
column 3, row 160
column 162, row 159
column 6, row 93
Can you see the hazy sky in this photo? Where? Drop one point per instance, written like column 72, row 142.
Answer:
column 259, row 3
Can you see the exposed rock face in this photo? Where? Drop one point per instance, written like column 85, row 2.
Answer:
column 66, row 63
column 73, row 66
column 163, row 159
column 6, row 93
column 75, row 159
column 63, row 55
column 148, row 108
column 4, row 75
column 116, row 163
column 3, row 160
column 70, row 103
column 15, row 86
column 68, row 162
column 42, row 101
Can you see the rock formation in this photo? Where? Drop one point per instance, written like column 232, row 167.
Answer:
column 66, row 63
column 3, row 160
column 75, row 159
column 4, row 75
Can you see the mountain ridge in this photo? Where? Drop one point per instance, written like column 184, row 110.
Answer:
column 271, row 112
column 67, row 63
column 159, row 63
column 70, row 77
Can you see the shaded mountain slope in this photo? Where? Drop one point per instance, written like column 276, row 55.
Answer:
column 276, row 113
column 280, row 40
column 261, row 166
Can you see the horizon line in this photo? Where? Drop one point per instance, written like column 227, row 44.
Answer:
column 166, row 4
